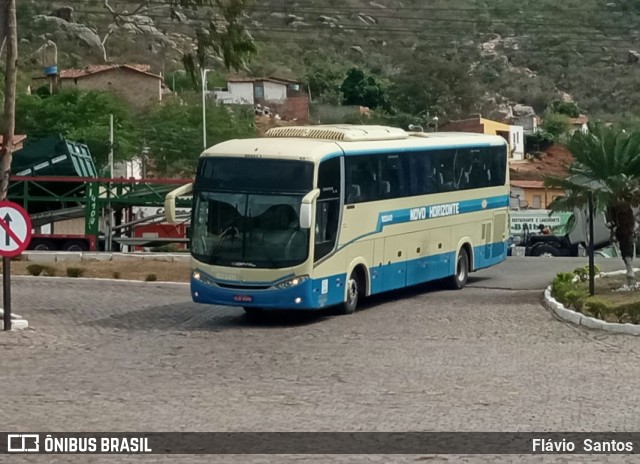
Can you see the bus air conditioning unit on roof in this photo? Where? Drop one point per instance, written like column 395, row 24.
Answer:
column 344, row 133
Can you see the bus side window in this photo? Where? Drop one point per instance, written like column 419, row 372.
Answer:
column 327, row 207
column 362, row 179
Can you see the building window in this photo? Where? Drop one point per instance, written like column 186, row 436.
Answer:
column 258, row 91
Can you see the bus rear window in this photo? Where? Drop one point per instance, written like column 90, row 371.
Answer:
column 254, row 174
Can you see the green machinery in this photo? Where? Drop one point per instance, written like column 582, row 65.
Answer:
column 56, row 180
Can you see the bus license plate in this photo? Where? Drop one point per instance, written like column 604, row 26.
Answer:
column 243, row 298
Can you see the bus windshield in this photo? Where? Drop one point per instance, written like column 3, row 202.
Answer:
column 246, row 212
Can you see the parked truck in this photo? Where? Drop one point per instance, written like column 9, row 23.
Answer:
column 564, row 240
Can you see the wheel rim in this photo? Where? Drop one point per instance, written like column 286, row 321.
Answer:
column 352, row 292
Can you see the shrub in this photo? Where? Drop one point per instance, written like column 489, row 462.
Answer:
column 35, row 269
column 151, row 278
column 583, row 272
column 576, row 298
column 562, row 284
column 75, row 272
column 116, row 275
column 49, row 271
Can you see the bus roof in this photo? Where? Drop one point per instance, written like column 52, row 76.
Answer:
column 313, row 143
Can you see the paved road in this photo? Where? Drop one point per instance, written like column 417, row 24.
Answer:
column 109, row 356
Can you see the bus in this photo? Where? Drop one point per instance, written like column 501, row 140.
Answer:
column 316, row 216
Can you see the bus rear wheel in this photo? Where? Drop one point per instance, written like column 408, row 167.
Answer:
column 354, row 290
column 459, row 279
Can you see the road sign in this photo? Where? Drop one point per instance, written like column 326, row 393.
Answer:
column 15, row 229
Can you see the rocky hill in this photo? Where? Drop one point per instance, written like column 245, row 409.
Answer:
column 445, row 57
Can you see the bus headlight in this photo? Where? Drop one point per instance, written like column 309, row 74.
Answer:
column 202, row 277
column 292, row 282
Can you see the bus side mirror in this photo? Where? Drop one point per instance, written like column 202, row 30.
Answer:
column 306, row 208
column 170, row 202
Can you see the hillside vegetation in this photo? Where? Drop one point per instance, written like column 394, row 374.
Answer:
column 448, row 58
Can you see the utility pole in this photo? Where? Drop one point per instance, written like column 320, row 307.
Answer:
column 10, row 32
column 9, row 94
column 108, row 243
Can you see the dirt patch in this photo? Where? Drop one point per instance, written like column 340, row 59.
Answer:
column 554, row 161
column 128, row 270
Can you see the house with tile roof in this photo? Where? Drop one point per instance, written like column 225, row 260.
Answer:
column 135, row 83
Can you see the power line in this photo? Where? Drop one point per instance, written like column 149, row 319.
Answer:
column 312, row 5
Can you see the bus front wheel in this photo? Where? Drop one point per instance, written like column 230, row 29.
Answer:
column 459, row 279
column 354, row 289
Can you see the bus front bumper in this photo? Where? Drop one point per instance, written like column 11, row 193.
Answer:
column 301, row 296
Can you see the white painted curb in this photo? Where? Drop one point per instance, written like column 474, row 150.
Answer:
column 95, row 279
column 17, row 322
column 586, row 321
column 92, row 256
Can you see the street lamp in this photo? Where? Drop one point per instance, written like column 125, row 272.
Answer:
column 203, row 75
column 435, row 120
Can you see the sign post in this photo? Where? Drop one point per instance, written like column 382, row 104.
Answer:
column 15, row 233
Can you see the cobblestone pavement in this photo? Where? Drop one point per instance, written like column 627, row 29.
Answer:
column 109, row 356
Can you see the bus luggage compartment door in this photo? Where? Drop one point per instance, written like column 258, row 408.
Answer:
column 394, row 267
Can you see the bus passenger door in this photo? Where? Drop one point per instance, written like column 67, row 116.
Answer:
column 395, row 262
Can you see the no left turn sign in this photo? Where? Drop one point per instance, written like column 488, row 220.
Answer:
column 15, row 229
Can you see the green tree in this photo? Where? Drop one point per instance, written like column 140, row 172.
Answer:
column 363, row 89
column 324, row 82
column 173, row 133
column 607, row 163
column 556, row 124
column 437, row 86
column 81, row 116
column 569, row 109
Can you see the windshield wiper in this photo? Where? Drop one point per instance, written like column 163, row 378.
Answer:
column 230, row 231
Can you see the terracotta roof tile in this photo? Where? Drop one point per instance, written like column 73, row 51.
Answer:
column 75, row 73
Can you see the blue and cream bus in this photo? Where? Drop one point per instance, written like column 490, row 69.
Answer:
column 316, row 216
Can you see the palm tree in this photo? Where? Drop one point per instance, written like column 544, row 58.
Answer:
column 607, row 163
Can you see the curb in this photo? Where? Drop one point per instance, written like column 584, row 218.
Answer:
column 93, row 279
column 17, row 322
column 93, row 256
column 580, row 319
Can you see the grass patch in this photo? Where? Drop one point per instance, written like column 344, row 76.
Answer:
column 572, row 290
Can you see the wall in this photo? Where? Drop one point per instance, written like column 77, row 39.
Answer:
column 493, row 127
column 242, row 92
column 546, row 196
column 516, row 142
column 274, row 91
column 291, row 109
column 139, row 89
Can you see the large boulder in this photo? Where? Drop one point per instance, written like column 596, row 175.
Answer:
column 64, row 12
column 64, row 30
column 523, row 110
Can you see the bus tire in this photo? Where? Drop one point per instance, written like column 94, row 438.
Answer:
column 459, row 279
column 355, row 287
column 545, row 251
